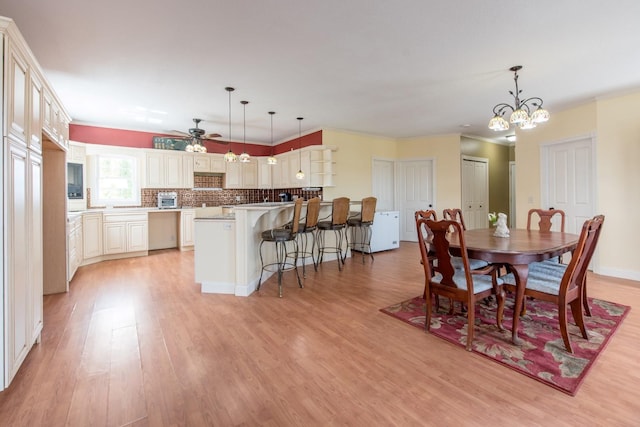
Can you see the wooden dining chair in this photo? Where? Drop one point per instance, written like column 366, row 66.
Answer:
column 455, row 214
column 545, row 222
column 456, row 284
column 545, row 217
column 559, row 269
column 567, row 286
column 428, row 236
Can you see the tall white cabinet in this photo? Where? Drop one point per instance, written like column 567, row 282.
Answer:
column 22, row 213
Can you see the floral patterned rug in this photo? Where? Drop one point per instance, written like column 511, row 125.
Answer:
column 543, row 355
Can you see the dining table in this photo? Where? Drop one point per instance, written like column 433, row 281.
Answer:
column 521, row 248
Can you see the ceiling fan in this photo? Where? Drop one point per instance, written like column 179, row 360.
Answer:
column 196, row 136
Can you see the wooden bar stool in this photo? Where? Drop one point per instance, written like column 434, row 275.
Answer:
column 306, row 231
column 360, row 228
column 337, row 224
column 286, row 258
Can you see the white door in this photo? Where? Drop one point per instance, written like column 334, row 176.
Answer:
column 475, row 192
column 512, row 194
column 415, row 191
column 568, row 184
column 383, row 184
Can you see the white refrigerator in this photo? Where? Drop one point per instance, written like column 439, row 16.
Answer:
column 385, row 232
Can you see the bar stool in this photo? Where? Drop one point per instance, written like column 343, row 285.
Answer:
column 285, row 259
column 306, row 230
column 360, row 228
column 337, row 224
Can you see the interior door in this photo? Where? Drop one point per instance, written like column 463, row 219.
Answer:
column 568, row 182
column 383, row 183
column 475, row 192
column 415, row 192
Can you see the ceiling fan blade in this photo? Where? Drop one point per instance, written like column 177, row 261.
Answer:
column 177, row 133
column 217, row 141
column 211, row 135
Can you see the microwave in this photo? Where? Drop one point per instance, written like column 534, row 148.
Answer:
column 75, row 188
column 168, row 200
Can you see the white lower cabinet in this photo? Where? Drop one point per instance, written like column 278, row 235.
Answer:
column 125, row 232
column 187, row 218
column 91, row 235
column 74, row 245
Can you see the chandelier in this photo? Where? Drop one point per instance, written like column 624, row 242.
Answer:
column 521, row 112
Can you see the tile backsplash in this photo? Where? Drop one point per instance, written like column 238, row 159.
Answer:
column 218, row 197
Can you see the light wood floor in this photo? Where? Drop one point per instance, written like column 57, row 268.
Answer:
column 135, row 343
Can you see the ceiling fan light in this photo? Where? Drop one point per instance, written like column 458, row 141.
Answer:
column 497, row 123
column 540, row 115
column 189, row 148
column 272, row 160
column 244, row 157
column 230, row 157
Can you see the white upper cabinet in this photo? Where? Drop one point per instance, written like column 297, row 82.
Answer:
column 241, row 175
column 165, row 170
column 209, row 163
column 17, row 94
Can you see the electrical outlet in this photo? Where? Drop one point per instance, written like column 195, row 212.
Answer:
column 238, row 198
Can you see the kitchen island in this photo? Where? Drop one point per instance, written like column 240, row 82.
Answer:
column 227, row 258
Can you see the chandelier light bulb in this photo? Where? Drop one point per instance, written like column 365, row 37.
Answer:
column 497, row 123
column 519, row 116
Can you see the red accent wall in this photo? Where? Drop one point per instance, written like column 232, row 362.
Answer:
column 137, row 139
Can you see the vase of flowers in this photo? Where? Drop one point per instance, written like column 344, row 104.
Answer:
column 493, row 219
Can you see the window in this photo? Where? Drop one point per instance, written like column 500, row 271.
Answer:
column 116, row 181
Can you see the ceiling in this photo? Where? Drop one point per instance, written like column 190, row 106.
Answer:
column 394, row 69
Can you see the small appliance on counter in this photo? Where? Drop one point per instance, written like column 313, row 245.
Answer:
column 285, row 197
column 167, row 200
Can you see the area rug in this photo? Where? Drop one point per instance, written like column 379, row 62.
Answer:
column 542, row 356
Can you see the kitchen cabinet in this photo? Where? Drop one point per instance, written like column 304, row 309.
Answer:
column 125, row 232
column 35, row 125
column 22, row 88
column 164, row 169
column 17, row 93
column 77, row 153
column 187, row 218
column 321, row 168
column 241, row 175
column 213, row 163
column 74, row 245
column 187, row 171
column 91, row 235
column 55, row 122
column 264, row 172
column 24, row 266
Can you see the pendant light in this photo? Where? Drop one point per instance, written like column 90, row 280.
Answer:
column 271, row 160
column 230, row 156
column 244, row 157
column 300, row 174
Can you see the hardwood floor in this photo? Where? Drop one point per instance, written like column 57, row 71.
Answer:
column 135, row 343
